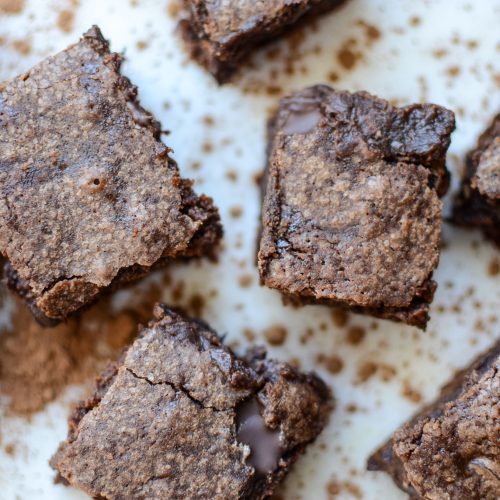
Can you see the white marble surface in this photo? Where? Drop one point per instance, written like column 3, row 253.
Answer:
column 401, row 65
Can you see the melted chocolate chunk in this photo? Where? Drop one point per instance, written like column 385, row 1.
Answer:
column 264, row 443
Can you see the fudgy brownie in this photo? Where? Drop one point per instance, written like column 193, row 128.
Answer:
column 219, row 34
column 478, row 203
column 89, row 195
column 351, row 211
column 180, row 416
column 451, row 449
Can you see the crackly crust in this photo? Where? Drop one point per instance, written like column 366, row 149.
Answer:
column 90, row 197
column 220, row 34
column 478, row 202
column 451, row 449
column 351, row 211
column 174, row 398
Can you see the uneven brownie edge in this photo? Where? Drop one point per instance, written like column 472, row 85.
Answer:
column 188, row 358
column 222, row 58
column 68, row 293
column 385, row 458
column 429, row 156
column 473, row 208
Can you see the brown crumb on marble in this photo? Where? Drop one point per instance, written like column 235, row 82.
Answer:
column 142, row 44
column 245, row 280
column 340, row 317
column 387, row 372
column 65, row 21
column 276, row 334
column 439, row 53
column 232, row 175
column 372, row 33
column 207, row 147
column 494, row 267
column 10, row 449
column 355, row 335
column 411, row 393
column 11, row 6
column 351, row 408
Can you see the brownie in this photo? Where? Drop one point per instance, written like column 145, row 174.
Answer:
column 351, row 212
column 180, row 416
column 90, row 198
column 452, row 448
column 220, row 34
column 478, row 202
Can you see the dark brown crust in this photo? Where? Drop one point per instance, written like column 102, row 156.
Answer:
column 223, row 58
column 428, row 151
column 296, row 404
column 55, row 299
column 384, row 459
column 472, row 208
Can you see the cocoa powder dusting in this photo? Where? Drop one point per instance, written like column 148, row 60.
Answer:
column 11, row 6
column 37, row 364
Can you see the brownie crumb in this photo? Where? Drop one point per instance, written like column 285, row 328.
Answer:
column 348, row 55
column 249, row 334
column 336, row 488
column 276, row 334
column 415, row 21
column 236, row 212
column 196, row 305
column 22, row 46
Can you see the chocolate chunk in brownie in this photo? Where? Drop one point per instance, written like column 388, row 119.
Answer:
column 180, row 416
column 351, row 212
column 219, row 34
column 478, row 202
column 90, row 198
column 452, row 448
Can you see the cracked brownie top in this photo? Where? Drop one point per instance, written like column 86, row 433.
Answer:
column 87, row 188
column 182, row 417
column 351, row 211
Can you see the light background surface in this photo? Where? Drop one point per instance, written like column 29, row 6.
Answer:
column 441, row 51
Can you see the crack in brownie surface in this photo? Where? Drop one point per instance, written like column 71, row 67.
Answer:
column 452, row 449
column 182, row 417
column 478, row 203
column 351, row 212
column 220, row 33
column 90, row 196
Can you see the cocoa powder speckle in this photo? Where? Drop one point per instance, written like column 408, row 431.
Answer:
column 65, row 21
column 494, row 267
column 276, row 334
column 365, row 371
column 355, row 335
column 11, row 6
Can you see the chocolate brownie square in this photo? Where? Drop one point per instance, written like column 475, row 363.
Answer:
column 90, row 198
column 180, row 416
column 351, row 212
column 220, row 34
column 451, row 449
column 478, row 203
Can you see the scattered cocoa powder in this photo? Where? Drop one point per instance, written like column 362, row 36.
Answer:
column 411, row 393
column 11, row 6
column 236, row 211
column 340, row 317
column 335, row 488
column 22, row 46
column 65, row 20
column 348, row 56
column 37, row 364
column 333, row 363
column 366, row 370
column 494, row 266
column 276, row 334
column 245, row 280
column 355, row 335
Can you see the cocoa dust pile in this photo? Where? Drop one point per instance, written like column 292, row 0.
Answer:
column 37, row 364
